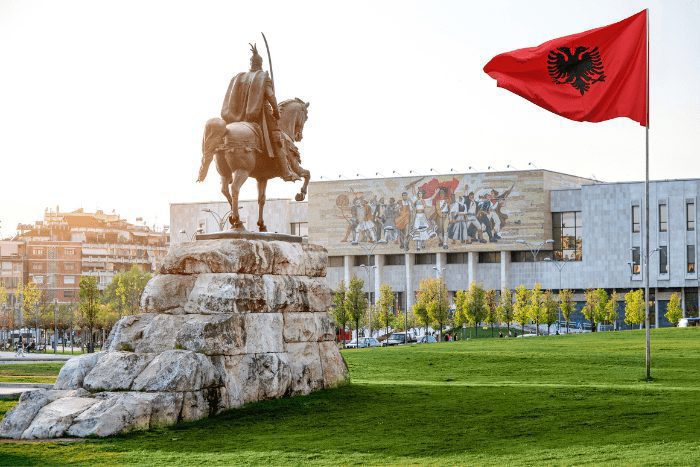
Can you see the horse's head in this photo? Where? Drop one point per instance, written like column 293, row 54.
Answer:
column 293, row 115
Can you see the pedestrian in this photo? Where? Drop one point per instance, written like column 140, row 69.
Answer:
column 20, row 347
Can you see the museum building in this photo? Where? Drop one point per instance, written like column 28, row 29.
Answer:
column 499, row 229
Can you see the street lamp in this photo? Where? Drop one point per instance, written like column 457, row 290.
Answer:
column 438, row 271
column 193, row 236
column 560, row 265
column 220, row 220
column 369, row 250
column 534, row 247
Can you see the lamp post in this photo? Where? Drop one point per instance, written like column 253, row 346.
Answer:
column 55, row 328
column 193, row 236
column 369, row 250
column 560, row 265
column 438, row 272
column 220, row 220
column 534, row 247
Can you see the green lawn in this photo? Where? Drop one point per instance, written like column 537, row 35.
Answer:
column 551, row 400
column 30, row 372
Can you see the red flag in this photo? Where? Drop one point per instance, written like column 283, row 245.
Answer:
column 590, row 76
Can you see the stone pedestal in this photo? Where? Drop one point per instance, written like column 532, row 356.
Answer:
column 226, row 322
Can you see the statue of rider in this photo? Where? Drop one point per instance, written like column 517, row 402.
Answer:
column 251, row 98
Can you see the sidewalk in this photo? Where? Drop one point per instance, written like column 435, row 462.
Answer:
column 14, row 390
column 10, row 357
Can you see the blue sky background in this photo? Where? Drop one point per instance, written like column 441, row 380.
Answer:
column 102, row 104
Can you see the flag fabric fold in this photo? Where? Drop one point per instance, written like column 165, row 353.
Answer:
column 591, row 76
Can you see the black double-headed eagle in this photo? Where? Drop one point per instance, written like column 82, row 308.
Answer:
column 580, row 68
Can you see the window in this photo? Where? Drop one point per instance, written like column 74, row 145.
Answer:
column 425, row 258
column 490, row 257
column 567, row 232
column 335, row 261
column 636, row 258
column 69, row 251
column 68, row 280
column 360, row 260
column 663, row 260
column 690, row 251
column 690, row 215
column 636, row 220
column 663, row 218
column 299, row 228
column 394, row 260
column 68, row 293
column 6, row 266
column 526, row 256
column 37, row 251
column 69, row 267
column 457, row 258
column 38, row 279
column 37, row 267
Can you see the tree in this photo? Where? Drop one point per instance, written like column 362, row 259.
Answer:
column 505, row 308
column 124, row 292
column 491, row 303
column 88, row 307
column 551, row 309
column 31, row 304
column 566, row 305
column 432, row 294
column 339, row 311
column 535, row 310
column 420, row 311
column 7, row 316
column 674, row 311
column 611, row 308
column 356, row 303
column 520, row 307
column 385, row 306
column 634, row 307
column 107, row 316
column 594, row 310
column 471, row 306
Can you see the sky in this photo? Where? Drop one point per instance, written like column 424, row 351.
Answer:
column 103, row 103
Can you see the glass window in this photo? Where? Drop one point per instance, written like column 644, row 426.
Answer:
column 425, row 258
column 299, row 228
column 38, row 251
column 690, row 215
column 636, row 260
column 360, row 260
column 68, row 293
column 663, row 260
column 6, row 266
column 663, row 218
column 335, row 261
column 567, row 233
column 38, row 279
column 636, row 220
column 526, row 256
column 394, row 260
column 457, row 258
column 68, row 280
column 69, row 251
column 690, row 251
column 490, row 257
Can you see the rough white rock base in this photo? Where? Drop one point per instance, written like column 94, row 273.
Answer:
column 227, row 322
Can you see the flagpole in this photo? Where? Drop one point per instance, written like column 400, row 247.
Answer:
column 646, row 221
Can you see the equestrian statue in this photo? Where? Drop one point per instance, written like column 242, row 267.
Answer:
column 254, row 138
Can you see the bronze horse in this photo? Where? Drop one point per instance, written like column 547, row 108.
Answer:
column 240, row 155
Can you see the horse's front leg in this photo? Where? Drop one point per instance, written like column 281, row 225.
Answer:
column 262, row 187
column 303, row 173
column 239, row 178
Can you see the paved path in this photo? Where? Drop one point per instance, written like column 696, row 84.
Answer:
column 14, row 390
column 11, row 357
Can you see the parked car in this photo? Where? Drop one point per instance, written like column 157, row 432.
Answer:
column 364, row 342
column 426, row 340
column 397, row 338
column 688, row 322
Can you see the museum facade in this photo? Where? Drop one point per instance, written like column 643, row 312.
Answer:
column 499, row 229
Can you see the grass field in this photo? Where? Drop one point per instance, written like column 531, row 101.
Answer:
column 549, row 400
column 29, row 372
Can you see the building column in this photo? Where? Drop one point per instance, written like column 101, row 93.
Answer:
column 408, row 258
column 378, row 276
column 505, row 266
column 471, row 268
column 683, row 300
column 347, row 268
column 440, row 263
column 656, row 307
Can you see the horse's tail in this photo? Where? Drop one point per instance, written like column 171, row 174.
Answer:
column 214, row 131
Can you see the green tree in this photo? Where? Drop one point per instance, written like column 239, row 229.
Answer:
column 535, row 309
column 124, row 292
column 385, row 306
column 107, row 316
column 566, row 305
column 611, row 309
column 7, row 315
column 31, row 305
column 594, row 310
column 339, row 311
column 551, row 309
column 432, row 294
column 491, row 305
column 634, row 307
column 420, row 311
column 356, row 303
column 88, row 307
column 674, row 311
column 521, row 307
column 471, row 306
column 505, row 308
